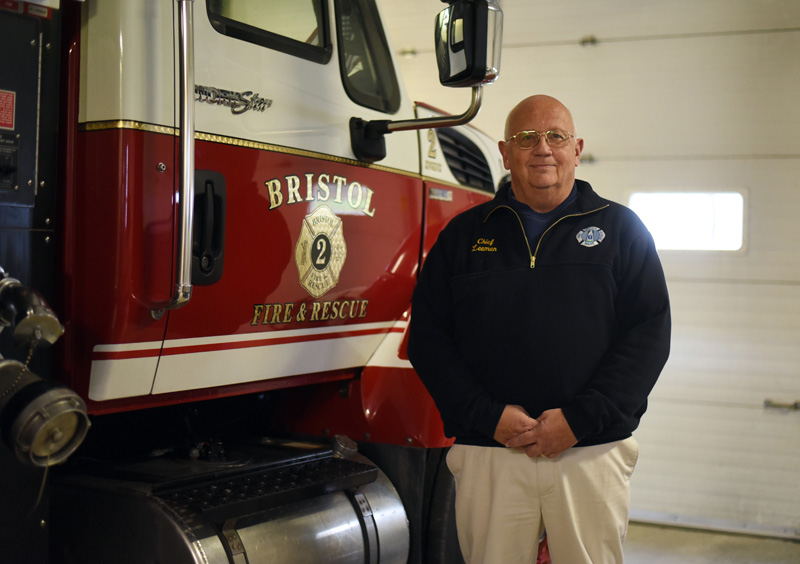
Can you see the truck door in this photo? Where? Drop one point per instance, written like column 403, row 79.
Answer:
column 460, row 169
column 304, row 257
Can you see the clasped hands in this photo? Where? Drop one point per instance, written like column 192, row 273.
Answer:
column 549, row 435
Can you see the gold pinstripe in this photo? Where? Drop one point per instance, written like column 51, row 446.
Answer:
column 224, row 140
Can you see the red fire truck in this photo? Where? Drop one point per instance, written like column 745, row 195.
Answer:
column 223, row 206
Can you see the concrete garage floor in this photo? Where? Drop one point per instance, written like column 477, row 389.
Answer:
column 652, row 544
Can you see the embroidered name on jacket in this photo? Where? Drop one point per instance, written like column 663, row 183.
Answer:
column 590, row 237
column 484, row 245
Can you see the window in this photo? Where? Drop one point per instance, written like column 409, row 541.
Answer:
column 297, row 27
column 366, row 63
column 692, row 221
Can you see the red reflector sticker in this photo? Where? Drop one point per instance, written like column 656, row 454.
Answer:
column 7, row 103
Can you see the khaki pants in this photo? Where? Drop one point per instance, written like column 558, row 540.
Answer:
column 504, row 500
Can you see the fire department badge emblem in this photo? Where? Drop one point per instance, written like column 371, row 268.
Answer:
column 590, row 236
column 320, row 251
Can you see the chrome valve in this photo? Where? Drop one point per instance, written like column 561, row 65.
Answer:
column 41, row 421
column 26, row 311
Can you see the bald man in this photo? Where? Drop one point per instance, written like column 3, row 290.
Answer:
column 540, row 324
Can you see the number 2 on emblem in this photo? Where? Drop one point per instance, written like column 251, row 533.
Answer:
column 321, row 252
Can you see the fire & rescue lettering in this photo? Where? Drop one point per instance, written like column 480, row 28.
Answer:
column 338, row 188
column 273, row 314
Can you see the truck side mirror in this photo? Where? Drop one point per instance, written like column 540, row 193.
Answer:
column 468, row 38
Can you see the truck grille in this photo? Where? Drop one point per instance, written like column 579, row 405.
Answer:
column 465, row 160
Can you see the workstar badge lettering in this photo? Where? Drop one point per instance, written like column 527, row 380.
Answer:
column 238, row 102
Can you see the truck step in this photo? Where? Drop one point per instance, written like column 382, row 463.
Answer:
column 265, row 489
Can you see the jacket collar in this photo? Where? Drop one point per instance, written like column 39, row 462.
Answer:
column 587, row 200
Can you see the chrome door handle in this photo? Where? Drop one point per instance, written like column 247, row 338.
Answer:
column 183, row 263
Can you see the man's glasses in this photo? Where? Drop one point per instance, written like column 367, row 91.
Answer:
column 529, row 139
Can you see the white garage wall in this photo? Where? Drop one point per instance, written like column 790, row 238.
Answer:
column 684, row 95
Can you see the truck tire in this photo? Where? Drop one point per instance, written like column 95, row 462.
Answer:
column 442, row 542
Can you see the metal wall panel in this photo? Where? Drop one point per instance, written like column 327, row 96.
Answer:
column 712, row 454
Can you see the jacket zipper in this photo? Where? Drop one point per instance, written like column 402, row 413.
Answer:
column 534, row 254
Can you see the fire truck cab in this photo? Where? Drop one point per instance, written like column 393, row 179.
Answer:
column 224, row 204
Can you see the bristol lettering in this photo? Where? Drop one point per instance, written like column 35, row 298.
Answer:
column 292, row 189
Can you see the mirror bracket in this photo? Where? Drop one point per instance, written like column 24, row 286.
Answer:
column 367, row 138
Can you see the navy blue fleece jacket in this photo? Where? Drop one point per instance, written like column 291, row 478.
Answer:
column 578, row 319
